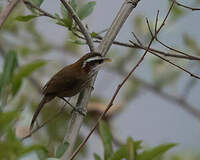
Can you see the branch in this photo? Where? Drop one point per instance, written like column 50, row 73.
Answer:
column 177, row 66
column 182, row 103
column 79, row 23
column 120, row 86
column 84, row 96
column 42, row 12
column 7, row 10
column 187, row 7
column 139, row 46
column 175, row 50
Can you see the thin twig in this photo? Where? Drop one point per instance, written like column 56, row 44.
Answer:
column 181, row 101
column 119, row 87
column 183, row 69
column 137, row 39
column 80, row 24
column 139, row 46
column 42, row 12
column 7, row 10
column 187, row 7
column 175, row 50
column 157, row 15
column 148, row 25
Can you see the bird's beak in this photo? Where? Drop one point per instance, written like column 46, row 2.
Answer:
column 107, row 59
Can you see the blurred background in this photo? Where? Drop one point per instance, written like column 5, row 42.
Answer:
column 151, row 105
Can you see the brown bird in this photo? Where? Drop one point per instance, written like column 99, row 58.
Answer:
column 70, row 80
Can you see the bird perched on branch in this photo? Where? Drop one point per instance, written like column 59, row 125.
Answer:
column 70, row 80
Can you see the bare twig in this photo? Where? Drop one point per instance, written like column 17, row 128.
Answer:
column 42, row 12
column 139, row 46
column 181, row 101
column 156, row 52
column 137, row 39
column 187, row 7
column 183, row 69
column 7, row 10
column 175, row 50
column 120, row 86
column 155, row 29
column 80, row 24
column 148, row 25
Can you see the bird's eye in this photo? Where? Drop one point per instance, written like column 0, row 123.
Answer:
column 100, row 61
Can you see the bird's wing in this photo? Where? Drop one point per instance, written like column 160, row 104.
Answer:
column 58, row 84
column 62, row 81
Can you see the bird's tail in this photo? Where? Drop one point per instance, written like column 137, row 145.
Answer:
column 44, row 100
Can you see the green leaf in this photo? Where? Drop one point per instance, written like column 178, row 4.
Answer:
column 61, row 149
column 73, row 4
column 79, row 42
column 24, row 71
column 121, row 153
column 131, row 149
column 65, row 22
column 25, row 18
column 64, row 12
column 93, row 34
column 106, row 139
column 8, row 69
column 6, row 118
column 31, row 148
column 86, row 10
column 156, row 151
column 96, row 156
column 127, row 151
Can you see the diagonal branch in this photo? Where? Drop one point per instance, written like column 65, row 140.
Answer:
column 7, row 10
column 42, row 12
column 84, row 96
column 187, row 7
column 140, row 46
column 120, row 86
column 79, row 23
column 180, row 101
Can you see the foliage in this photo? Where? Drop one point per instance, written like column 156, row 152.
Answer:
column 131, row 150
column 11, row 147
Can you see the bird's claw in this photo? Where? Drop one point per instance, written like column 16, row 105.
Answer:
column 80, row 111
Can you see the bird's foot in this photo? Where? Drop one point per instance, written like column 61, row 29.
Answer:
column 92, row 88
column 79, row 110
column 75, row 109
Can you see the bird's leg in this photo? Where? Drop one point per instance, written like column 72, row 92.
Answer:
column 92, row 88
column 74, row 108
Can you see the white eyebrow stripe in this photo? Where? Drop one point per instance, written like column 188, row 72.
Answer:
column 93, row 59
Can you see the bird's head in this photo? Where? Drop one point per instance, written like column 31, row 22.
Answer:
column 91, row 62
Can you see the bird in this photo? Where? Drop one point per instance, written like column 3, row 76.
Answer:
column 70, row 80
